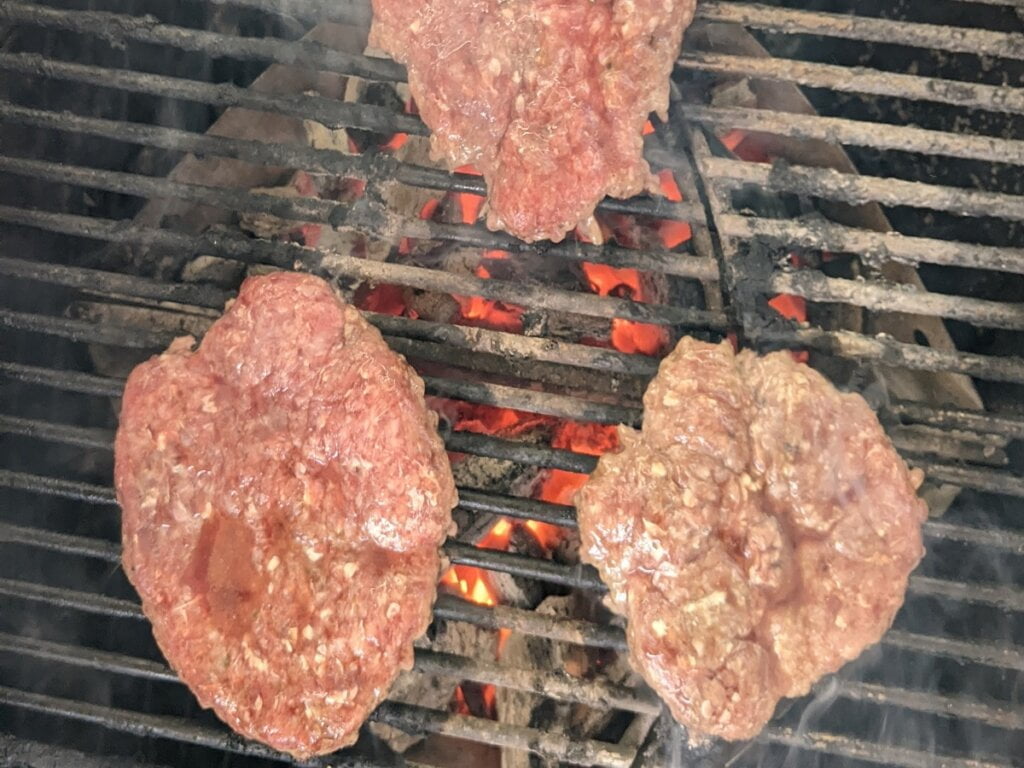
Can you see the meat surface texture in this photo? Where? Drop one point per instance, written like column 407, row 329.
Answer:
column 758, row 533
column 284, row 495
column 547, row 98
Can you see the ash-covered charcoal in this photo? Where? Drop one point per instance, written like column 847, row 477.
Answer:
column 378, row 95
column 285, row 560
column 528, row 709
column 758, row 533
column 426, row 690
column 547, row 100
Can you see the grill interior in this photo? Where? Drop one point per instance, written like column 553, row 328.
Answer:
column 917, row 302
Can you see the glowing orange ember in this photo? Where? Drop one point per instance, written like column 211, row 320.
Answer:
column 491, row 420
column 626, row 336
column 385, row 299
column 489, row 313
column 396, row 142
column 792, row 307
column 745, row 146
column 594, row 439
column 470, row 582
column 459, row 705
column 672, row 233
column 469, row 205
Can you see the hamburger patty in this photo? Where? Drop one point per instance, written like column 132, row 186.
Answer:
column 284, row 494
column 547, row 98
column 758, row 533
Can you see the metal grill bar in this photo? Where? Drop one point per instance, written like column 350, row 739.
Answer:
column 596, row 693
column 982, row 423
column 576, row 631
column 878, row 246
column 68, row 381
column 844, row 343
column 56, row 486
column 336, row 114
column 516, row 507
column 359, row 12
column 869, row 751
column 462, row 337
column 83, row 546
column 403, row 716
column 344, row 11
column 85, row 331
column 1004, row 424
column 857, row 189
column 482, row 503
column 353, row 267
column 552, row 404
column 72, row 599
column 329, row 112
column 555, row 746
column 946, row 706
column 969, row 477
column 381, row 166
column 85, row 437
column 980, row 42
column 1006, row 598
column 94, row 280
column 860, row 133
column 992, row 538
column 517, row 346
column 447, row 607
column 815, row 286
column 896, row 354
column 579, row 632
column 919, row 440
column 91, row 658
column 581, row 576
column 994, row 98
column 118, row 29
column 989, row 654
column 140, row 724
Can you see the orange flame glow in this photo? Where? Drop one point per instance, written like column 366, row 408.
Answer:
column 492, row 420
column 395, row 143
column 792, row 307
column 745, row 146
column 672, row 233
column 561, row 486
column 469, row 204
column 489, row 313
column 626, row 336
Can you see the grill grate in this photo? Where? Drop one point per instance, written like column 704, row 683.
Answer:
column 954, row 444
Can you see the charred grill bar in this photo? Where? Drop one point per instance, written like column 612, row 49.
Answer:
column 955, row 444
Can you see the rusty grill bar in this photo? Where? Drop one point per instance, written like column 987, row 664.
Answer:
column 960, row 446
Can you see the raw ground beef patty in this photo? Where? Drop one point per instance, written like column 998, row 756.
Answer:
column 285, row 493
column 757, row 534
column 547, row 98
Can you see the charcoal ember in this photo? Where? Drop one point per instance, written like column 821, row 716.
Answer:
column 523, row 708
column 426, row 690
